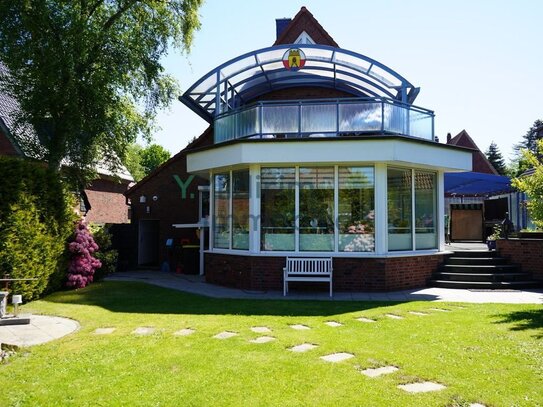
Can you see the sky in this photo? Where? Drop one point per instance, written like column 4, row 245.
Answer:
column 479, row 63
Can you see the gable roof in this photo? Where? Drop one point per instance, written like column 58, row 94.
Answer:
column 479, row 161
column 304, row 21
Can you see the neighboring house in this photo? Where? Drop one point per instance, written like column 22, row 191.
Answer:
column 104, row 195
column 318, row 151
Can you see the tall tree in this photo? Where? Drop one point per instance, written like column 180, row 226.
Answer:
column 152, row 156
column 87, row 74
column 496, row 159
column 529, row 142
column 132, row 161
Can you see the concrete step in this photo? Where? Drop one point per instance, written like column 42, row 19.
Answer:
column 475, row 253
column 514, row 285
column 480, row 268
column 476, row 260
column 481, row 277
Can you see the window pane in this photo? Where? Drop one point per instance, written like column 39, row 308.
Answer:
column 221, row 229
column 317, row 209
column 277, row 208
column 425, row 210
column 319, row 118
column 399, row 209
column 279, row 119
column 356, row 212
column 240, row 210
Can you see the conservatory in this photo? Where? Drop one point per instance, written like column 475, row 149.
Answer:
column 320, row 152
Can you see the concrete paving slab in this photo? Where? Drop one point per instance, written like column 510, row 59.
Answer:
column 420, row 314
column 104, row 331
column 225, row 335
column 300, row 327
column 260, row 329
column 337, row 357
column 42, row 329
column 333, row 324
column 379, row 371
column 263, row 339
column 421, row 387
column 184, row 332
column 143, row 330
column 393, row 316
column 197, row 285
column 439, row 309
column 364, row 319
column 304, row 347
column 476, row 405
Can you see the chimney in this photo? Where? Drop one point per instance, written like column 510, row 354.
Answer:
column 280, row 25
column 448, row 138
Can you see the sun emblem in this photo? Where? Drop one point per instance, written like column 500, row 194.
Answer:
column 294, row 59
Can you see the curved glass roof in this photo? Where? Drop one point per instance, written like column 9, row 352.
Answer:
column 250, row 75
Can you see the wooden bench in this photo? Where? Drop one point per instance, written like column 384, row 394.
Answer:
column 310, row 269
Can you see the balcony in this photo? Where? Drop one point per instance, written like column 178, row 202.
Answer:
column 325, row 118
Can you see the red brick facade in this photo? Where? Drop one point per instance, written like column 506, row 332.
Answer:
column 350, row 274
column 526, row 252
column 304, row 21
column 6, row 146
column 108, row 203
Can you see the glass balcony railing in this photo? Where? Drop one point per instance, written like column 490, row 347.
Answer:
column 325, row 118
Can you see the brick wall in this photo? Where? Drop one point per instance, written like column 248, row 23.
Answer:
column 526, row 252
column 350, row 274
column 6, row 147
column 108, row 203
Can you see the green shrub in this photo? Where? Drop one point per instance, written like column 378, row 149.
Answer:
column 106, row 254
column 36, row 218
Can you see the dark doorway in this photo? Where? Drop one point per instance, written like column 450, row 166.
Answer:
column 148, row 243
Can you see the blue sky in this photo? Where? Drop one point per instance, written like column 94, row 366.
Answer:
column 479, row 64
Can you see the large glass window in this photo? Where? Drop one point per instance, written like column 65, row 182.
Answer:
column 317, row 209
column 425, row 210
column 221, row 206
column 277, row 188
column 356, row 212
column 399, row 209
column 240, row 210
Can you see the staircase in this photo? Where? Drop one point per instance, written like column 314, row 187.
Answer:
column 480, row 270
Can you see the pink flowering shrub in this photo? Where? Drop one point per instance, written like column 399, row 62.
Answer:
column 82, row 262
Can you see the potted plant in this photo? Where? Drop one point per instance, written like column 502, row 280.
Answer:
column 491, row 239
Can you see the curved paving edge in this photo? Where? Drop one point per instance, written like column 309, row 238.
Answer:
column 42, row 329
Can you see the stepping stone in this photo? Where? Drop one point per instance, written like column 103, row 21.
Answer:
column 421, row 387
column 143, row 330
column 392, row 316
column 337, row 357
column 260, row 329
column 184, row 332
column 420, row 314
column 263, row 339
column 476, row 405
column 333, row 324
column 304, row 347
column 299, row 327
column 225, row 335
column 363, row 319
column 104, row 331
column 440, row 310
column 379, row 371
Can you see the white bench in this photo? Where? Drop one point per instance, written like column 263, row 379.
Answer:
column 311, row 269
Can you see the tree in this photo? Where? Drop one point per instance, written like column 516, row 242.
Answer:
column 87, row 74
column 532, row 184
column 496, row 159
column 529, row 143
column 152, row 156
column 132, row 161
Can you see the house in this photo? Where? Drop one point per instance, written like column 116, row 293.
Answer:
column 102, row 201
column 319, row 151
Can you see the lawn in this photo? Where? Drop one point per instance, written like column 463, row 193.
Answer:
column 486, row 353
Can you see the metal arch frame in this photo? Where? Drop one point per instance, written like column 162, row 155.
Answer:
column 405, row 92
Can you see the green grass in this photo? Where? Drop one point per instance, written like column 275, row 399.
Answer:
column 484, row 353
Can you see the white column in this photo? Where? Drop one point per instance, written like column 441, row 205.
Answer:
column 254, row 208
column 381, row 216
column 440, row 224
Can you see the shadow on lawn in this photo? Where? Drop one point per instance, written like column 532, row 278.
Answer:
column 134, row 297
column 524, row 320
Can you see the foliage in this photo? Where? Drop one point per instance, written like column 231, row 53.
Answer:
column 532, row 184
column 152, row 156
column 485, row 353
column 495, row 157
column 106, row 254
column 529, row 142
column 132, row 161
column 36, row 218
column 82, row 262
column 88, row 74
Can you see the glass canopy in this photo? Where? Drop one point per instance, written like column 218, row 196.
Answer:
column 242, row 79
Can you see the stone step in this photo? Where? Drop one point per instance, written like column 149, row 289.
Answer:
column 483, row 285
column 481, row 277
column 475, row 253
column 480, row 268
column 476, row 260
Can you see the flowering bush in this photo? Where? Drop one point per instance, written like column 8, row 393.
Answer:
column 82, row 262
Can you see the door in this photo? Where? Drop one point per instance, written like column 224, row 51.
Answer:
column 148, row 243
column 467, row 222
